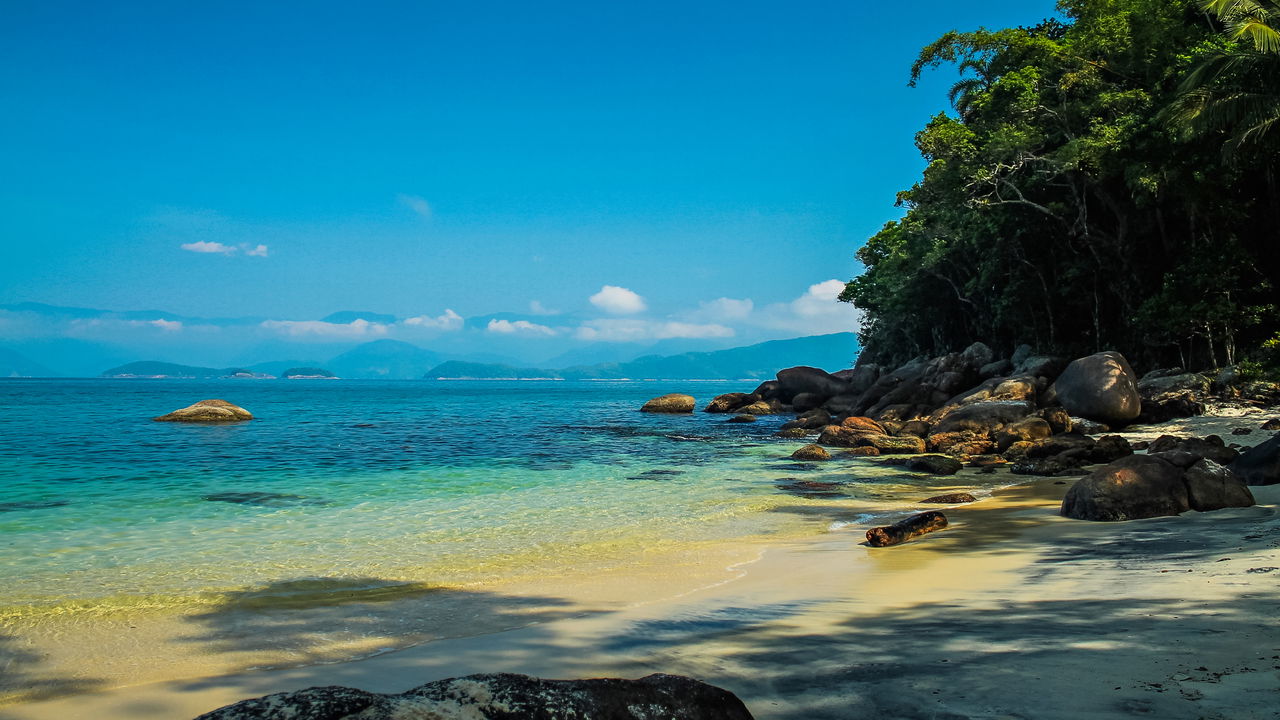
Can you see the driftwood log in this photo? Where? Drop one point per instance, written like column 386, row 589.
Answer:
column 904, row 530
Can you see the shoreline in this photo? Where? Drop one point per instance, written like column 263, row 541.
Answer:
column 825, row 627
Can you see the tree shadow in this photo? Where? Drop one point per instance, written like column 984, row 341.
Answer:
column 24, row 679
column 315, row 620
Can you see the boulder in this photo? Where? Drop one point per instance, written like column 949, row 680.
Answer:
column 1030, row 429
column 762, row 407
column 1213, row 487
column 1058, row 419
column 838, row 436
column 1272, row 424
column 951, row 499
column 804, row 379
column 1259, row 465
column 864, row 424
column 742, row 419
column 999, row 368
column 859, row 378
column 1045, row 366
column 906, row 375
column 501, row 696
column 673, row 403
column 1088, row 427
column 977, row 356
column 812, row 420
column 1058, row 444
column 1099, row 387
column 729, row 402
column 1169, row 406
column 208, row 411
column 864, row 451
column 811, row 452
column 1020, row 389
column 807, row 401
column 934, row 464
column 1210, row 447
column 1021, row 353
column 1153, row 384
column 917, row 428
column 1138, row 486
column 987, row 416
column 1067, row 463
column 1109, row 448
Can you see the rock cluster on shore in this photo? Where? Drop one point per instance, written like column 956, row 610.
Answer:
column 1039, row 415
column 501, row 696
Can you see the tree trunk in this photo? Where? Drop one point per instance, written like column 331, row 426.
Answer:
column 904, row 530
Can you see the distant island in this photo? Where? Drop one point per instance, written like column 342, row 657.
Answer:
column 308, row 373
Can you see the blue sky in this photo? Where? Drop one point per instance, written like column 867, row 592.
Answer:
column 288, row 160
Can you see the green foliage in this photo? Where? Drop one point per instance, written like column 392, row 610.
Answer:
column 1065, row 205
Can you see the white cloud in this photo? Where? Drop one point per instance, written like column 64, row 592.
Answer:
column 416, row 204
column 537, row 308
column 202, row 246
column 815, row 312
column 618, row 301
column 450, row 320
column 167, row 325
column 257, row 251
column 319, row 328
column 723, row 309
column 521, row 327
column 628, row 330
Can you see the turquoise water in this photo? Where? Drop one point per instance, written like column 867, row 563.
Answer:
column 439, row 482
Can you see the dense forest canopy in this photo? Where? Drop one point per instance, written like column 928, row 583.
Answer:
column 1106, row 181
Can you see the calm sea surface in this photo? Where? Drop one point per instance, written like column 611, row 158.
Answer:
column 440, row 482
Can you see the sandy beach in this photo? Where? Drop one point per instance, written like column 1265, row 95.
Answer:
column 1012, row 612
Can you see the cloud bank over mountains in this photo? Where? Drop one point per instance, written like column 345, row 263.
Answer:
column 615, row 316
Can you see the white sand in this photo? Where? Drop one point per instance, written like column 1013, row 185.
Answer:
column 1013, row 612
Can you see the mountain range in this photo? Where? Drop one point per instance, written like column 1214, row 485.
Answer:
column 396, row 360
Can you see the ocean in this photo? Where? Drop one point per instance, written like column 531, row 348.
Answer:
column 386, row 482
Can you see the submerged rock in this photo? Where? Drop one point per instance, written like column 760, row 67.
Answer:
column 934, row 464
column 811, row 452
column 208, row 411
column 729, row 402
column 673, row 403
column 951, row 499
column 501, row 696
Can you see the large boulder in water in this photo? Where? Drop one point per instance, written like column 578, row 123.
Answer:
column 1130, row 488
column 804, row 379
column 1259, row 465
column 501, row 696
column 672, row 403
column 730, row 402
column 1100, row 387
column 208, row 411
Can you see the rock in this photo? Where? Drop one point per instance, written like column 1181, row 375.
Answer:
column 742, row 419
column 1139, row 445
column 673, row 403
column 1180, row 458
column 1030, row 429
column 987, row 416
column 804, row 379
column 1045, row 366
column 1109, row 448
column 863, row 424
column 1088, row 427
column 815, row 419
column 859, row 378
column 501, row 696
column 1048, row 466
column 864, row 451
column 1058, row 419
column 934, row 464
column 951, row 499
column 838, row 436
column 1210, row 447
column 1138, row 486
column 907, row 375
column 1259, row 465
column 1242, row 431
column 1100, row 387
column 1213, row 487
column 1020, row 354
column 1169, row 406
column 729, row 402
column 999, row 368
column 811, row 452
column 977, row 355
column 208, row 411
column 767, row 389
column 761, row 407
column 1152, row 386
column 983, row 461
column 792, row 432
column 915, row 428
column 842, row 404
column 807, row 401
column 1020, row 389
column 1272, row 424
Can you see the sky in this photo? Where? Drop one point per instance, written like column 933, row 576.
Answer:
column 640, row 171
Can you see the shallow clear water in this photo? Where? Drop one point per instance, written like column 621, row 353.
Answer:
column 437, row 482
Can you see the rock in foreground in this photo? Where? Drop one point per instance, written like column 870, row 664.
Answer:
column 1143, row 486
column 673, row 403
column 502, row 696
column 208, row 411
